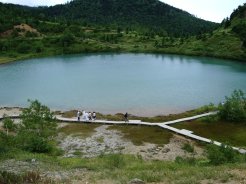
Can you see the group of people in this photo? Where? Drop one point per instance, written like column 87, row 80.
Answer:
column 86, row 116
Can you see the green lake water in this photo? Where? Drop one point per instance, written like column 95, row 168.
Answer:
column 142, row 84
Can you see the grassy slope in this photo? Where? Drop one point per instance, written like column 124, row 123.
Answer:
column 222, row 44
column 123, row 168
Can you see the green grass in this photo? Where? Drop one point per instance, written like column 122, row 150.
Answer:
column 139, row 135
column 82, row 130
column 123, row 168
column 188, row 147
column 229, row 133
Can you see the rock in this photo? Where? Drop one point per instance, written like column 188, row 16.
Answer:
column 166, row 150
column 136, row 181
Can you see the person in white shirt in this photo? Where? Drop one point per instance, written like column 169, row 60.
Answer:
column 86, row 116
column 83, row 115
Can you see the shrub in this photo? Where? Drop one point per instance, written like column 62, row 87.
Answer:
column 7, row 177
column 6, row 142
column 23, row 48
column 31, row 177
column 37, row 128
column 34, row 133
column 234, row 108
column 9, row 125
column 33, row 143
column 188, row 147
column 210, row 119
column 189, row 161
column 240, row 29
column 38, row 119
column 67, row 39
column 221, row 154
column 206, row 108
column 28, row 177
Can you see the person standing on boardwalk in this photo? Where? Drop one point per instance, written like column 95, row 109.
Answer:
column 90, row 116
column 94, row 116
column 78, row 115
column 126, row 117
column 83, row 115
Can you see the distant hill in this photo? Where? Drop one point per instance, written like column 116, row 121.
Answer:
column 128, row 13
column 137, row 14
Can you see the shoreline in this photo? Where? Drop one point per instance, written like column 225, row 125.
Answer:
column 9, row 59
column 134, row 113
column 16, row 110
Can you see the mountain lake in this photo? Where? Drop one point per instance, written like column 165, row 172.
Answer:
column 140, row 84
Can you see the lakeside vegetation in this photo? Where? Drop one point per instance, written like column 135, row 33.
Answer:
column 228, row 126
column 229, row 133
column 138, row 136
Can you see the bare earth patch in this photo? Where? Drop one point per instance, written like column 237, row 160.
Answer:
column 105, row 141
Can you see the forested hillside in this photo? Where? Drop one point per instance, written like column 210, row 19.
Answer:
column 140, row 15
column 111, row 26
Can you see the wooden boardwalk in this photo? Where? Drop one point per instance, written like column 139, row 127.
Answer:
column 190, row 118
column 164, row 125
column 12, row 117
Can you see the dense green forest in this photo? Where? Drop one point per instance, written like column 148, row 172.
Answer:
column 114, row 26
column 139, row 15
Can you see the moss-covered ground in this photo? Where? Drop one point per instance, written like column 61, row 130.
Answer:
column 225, row 132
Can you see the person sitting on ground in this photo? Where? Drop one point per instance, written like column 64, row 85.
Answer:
column 94, row 116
